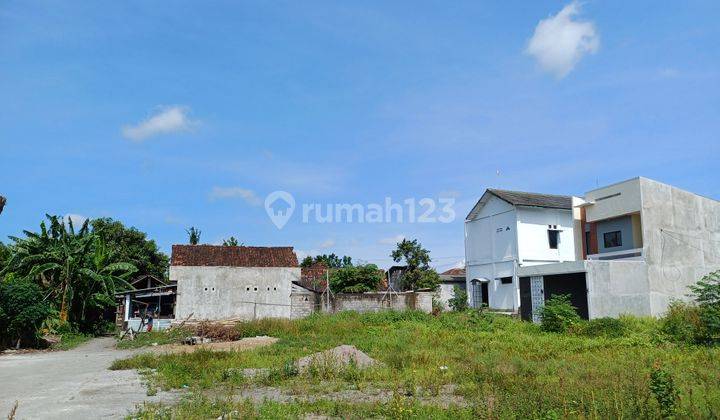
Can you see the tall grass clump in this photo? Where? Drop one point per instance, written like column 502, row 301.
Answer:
column 558, row 314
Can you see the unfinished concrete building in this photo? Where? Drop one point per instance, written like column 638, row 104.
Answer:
column 233, row 282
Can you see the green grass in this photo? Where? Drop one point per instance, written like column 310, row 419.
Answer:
column 71, row 340
column 145, row 339
column 500, row 366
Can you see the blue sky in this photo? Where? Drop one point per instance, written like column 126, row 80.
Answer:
column 176, row 114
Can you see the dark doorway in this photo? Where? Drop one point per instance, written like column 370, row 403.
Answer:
column 485, row 295
column 572, row 284
column 525, row 299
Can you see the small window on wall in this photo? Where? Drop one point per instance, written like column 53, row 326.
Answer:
column 505, row 280
column 612, row 239
column 553, row 238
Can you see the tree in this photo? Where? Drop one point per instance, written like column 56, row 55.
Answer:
column 3, row 200
column 4, row 256
column 73, row 266
column 356, row 279
column 414, row 255
column 231, row 241
column 707, row 295
column 419, row 274
column 459, row 301
column 22, row 310
column 130, row 245
column 330, row 261
column 193, row 235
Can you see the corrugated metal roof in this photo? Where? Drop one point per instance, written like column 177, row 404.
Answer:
column 519, row 198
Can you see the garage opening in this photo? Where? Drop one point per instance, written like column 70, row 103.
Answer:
column 572, row 284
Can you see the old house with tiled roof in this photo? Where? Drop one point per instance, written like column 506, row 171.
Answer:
column 238, row 283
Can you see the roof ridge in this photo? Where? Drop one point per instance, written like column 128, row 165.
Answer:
column 528, row 192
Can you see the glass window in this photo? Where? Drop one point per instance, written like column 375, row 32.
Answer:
column 506, row 280
column 612, row 239
column 553, row 238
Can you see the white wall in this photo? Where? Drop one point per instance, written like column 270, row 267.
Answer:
column 533, row 245
column 215, row 293
column 490, row 251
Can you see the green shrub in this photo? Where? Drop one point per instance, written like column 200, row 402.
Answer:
column 663, row 389
column 459, row 301
column 707, row 295
column 356, row 279
column 558, row 314
column 683, row 323
column 603, row 327
column 23, row 310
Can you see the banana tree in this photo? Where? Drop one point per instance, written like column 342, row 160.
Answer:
column 73, row 266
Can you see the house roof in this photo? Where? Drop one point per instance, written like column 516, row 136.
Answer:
column 233, row 256
column 520, row 198
column 454, row 272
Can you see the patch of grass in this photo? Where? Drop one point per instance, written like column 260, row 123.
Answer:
column 144, row 339
column 71, row 340
column 502, row 367
column 199, row 407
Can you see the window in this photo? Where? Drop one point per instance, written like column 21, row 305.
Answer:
column 587, row 243
column 506, row 280
column 612, row 239
column 553, row 238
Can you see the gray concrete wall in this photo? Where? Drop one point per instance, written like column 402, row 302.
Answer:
column 216, row 293
column 681, row 240
column 423, row 301
column 372, row 302
column 622, row 224
column 303, row 302
column 617, row 287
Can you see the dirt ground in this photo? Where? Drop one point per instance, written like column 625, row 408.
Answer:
column 243, row 344
column 72, row 384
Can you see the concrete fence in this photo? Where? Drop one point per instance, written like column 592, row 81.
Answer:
column 377, row 301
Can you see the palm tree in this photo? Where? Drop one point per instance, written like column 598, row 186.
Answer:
column 3, row 200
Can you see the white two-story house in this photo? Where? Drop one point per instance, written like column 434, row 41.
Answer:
column 507, row 230
column 630, row 247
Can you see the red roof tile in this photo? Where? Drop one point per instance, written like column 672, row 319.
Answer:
column 455, row 272
column 233, row 256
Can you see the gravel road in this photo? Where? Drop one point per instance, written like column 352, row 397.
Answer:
column 73, row 384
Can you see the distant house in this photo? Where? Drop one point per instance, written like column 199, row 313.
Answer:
column 455, row 277
column 237, row 282
column 630, row 247
column 150, row 296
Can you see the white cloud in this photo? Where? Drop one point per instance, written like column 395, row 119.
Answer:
column 328, row 243
column 171, row 119
column 391, row 241
column 77, row 219
column 560, row 42
column 235, row 192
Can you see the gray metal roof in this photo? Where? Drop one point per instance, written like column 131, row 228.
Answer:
column 518, row 198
